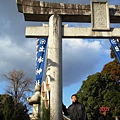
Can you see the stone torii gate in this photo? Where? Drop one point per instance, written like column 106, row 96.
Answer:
column 98, row 13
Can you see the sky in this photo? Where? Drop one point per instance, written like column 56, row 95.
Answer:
column 81, row 57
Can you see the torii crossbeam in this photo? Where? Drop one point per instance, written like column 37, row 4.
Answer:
column 99, row 14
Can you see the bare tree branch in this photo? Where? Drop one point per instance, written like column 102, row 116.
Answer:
column 19, row 85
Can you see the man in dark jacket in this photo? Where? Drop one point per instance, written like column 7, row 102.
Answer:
column 76, row 110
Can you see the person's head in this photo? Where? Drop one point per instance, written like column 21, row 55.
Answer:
column 74, row 98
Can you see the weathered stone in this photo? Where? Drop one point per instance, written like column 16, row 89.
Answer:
column 35, row 113
column 55, row 14
column 100, row 15
column 35, row 99
column 41, row 11
column 54, row 66
column 35, row 102
column 73, row 32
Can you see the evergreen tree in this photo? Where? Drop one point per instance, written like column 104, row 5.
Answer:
column 97, row 91
column 10, row 111
column 2, row 97
column 20, row 113
column 102, row 89
column 8, row 108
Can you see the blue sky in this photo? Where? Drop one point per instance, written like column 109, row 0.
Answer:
column 81, row 57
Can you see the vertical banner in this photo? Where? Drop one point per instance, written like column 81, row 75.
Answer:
column 41, row 48
column 116, row 47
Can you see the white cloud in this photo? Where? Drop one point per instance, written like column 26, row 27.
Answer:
column 81, row 58
column 13, row 56
column 16, row 52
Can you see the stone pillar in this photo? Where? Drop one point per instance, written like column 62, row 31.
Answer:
column 54, row 66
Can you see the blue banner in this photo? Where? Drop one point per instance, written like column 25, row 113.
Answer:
column 41, row 48
column 116, row 47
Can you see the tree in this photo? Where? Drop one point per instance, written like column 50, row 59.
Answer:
column 21, row 113
column 102, row 89
column 2, row 100
column 18, row 85
column 112, row 68
column 8, row 110
column 97, row 91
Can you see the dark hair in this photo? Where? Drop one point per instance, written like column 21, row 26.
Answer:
column 74, row 95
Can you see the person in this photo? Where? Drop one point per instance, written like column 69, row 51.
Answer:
column 76, row 110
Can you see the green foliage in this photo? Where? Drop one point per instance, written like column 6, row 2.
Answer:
column 18, row 88
column 113, row 69
column 45, row 113
column 20, row 112
column 8, row 108
column 97, row 91
column 2, row 100
column 10, row 111
column 102, row 89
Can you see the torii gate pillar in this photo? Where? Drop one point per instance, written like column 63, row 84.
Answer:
column 99, row 13
column 54, row 66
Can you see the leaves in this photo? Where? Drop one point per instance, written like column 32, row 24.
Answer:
column 99, row 90
column 8, row 110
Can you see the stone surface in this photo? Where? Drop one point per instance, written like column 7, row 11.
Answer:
column 100, row 16
column 73, row 32
column 54, row 66
column 32, row 31
column 35, row 99
column 35, row 113
column 41, row 11
column 35, row 102
column 55, row 14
